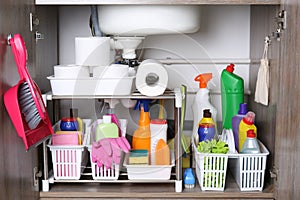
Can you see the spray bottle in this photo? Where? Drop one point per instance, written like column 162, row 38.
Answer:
column 232, row 94
column 201, row 102
column 111, row 111
column 142, row 136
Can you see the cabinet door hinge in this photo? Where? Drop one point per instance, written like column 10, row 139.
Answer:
column 36, row 175
column 274, row 173
column 281, row 21
column 33, row 22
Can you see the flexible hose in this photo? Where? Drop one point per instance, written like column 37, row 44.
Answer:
column 95, row 24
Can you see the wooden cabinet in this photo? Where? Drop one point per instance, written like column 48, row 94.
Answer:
column 17, row 165
column 279, row 121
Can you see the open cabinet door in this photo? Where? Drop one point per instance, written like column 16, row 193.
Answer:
column 288, row 107
column 17, row 165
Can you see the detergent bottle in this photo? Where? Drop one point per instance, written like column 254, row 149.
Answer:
column 142, row 136
column 246, row 124
column 107, row 129
column 201, row 102
column 250, row 145
column 236, row 120
column 207, row 127
column 232, row 95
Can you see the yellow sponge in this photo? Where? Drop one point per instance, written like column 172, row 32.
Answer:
column 138, row 157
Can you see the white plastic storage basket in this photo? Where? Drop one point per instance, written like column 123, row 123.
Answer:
column 211, row 170
column 103, row 173
column 249, row 169
column 69, row 160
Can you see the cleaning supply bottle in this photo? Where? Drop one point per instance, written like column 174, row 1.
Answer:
column 236, row 120
column 107, row 129
column 246, row 124
column 74, row 114
column 201, row 102
column 111, row 111
column 207, row 127
column 141, row 136
column 250, row 145
column 189, row 178
column 232, row 95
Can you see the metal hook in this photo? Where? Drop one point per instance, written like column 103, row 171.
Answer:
column 267, row 40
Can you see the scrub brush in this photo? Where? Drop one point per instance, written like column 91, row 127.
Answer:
column 28, row 107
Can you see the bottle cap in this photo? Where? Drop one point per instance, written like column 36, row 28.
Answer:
column 243, row 109
column 206, row 113
column 230, row 68
column 249, row 118
column 203, row 79
column 251, row 134
column 158, row 121
column 106, row 119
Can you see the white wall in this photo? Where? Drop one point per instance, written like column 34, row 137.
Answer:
column 223, row 38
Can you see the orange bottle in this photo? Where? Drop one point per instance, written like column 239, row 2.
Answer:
column 141, row 136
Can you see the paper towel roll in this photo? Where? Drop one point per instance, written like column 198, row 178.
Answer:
column 92, row 51
column 151, row 78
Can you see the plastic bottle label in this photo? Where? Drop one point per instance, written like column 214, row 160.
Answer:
column 206, row 132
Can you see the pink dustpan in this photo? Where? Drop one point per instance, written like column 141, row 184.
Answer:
column 24, row 103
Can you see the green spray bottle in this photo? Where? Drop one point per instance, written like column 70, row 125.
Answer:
column 232, row 94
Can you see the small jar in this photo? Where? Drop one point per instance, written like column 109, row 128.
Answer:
column 68, row 124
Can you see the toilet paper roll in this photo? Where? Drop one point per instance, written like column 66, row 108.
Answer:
column 151, row 78
column 92, row 51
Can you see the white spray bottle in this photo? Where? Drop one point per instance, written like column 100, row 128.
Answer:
column 202, row 102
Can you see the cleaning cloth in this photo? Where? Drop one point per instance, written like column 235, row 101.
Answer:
column 262, row 83
column 107, row 151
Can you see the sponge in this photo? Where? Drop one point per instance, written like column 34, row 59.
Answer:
column 138, row 157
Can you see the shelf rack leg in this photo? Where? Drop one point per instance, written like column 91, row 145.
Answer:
column 45, row 181
column 178, row 147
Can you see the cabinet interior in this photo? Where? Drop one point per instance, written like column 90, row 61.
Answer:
column 262, row 22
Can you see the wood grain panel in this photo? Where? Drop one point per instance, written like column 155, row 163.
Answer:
column 148, row 191
column 262, row 25
column 132, row 2
column 288, row 107
column 16, row 168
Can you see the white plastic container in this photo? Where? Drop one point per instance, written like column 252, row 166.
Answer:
column 148, row 172
column 102, row 173
column 69, row 161
column 211, row 170
column 71, row 71
column 111, row 71
column 91, row 86
column 249, row 169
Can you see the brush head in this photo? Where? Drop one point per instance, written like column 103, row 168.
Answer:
column 28, row 107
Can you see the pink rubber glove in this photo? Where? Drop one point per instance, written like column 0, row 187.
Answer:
column 123, row 144
column 102, row 153
column 119, row 144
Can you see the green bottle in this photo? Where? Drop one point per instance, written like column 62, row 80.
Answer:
column 232, row 92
